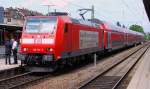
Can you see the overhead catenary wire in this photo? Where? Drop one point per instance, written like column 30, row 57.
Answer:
column 141, row 5
column 133, row 13
column 79, row 6
column 131, row 10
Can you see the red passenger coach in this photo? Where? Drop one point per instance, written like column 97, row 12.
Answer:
column 134, row 37
column 50, row 40
column 114, row 37
column 139, row 38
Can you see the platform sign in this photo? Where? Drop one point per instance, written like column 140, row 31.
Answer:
column 1, row 15
column 88, row 39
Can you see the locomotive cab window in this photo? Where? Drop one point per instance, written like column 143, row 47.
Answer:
column 41, row 25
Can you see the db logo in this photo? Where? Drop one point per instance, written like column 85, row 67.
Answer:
column 38, row 41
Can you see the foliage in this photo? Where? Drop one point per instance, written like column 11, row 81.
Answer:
column 147, row 36
column 137, row 28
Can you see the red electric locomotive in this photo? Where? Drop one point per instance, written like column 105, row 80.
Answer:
column 48, row 41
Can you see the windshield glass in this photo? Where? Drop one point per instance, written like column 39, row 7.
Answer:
column 41, row 25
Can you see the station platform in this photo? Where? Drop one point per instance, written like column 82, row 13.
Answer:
column 141, row 78
column 3, row 66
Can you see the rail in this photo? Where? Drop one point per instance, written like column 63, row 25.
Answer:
column 118, row 78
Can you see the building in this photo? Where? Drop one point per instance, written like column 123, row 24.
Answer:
column 1, row 15
column 12, row 17
column 1, row 22
column 15, row 16
column 11, row 22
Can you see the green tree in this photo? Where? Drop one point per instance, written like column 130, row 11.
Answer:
column 137, row 28
column 147, row 36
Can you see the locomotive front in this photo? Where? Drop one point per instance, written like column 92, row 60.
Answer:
column 38, row 41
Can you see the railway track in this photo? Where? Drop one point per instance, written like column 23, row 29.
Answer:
column 11, row 72
column 102, row 81
column 15, row 77
column 17, row 81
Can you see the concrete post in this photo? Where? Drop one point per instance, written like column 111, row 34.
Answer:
column 95, row 59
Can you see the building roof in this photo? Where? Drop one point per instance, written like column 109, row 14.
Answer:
column 12, row 28
column 15, row 13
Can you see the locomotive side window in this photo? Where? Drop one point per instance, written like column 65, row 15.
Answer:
column 41, row 25
column 66, row 28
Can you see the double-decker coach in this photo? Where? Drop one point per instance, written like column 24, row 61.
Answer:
column 114, row 37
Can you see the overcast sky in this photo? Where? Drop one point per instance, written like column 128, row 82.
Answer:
column 127, row 12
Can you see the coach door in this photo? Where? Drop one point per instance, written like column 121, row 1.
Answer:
column 109, row 40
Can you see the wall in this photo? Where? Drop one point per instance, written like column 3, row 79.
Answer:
column 12, row 21
column 1, row 15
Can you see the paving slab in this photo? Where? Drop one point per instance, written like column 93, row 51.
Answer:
column 141, row 78
column 3, row 66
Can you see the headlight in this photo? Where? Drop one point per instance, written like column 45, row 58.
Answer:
column 25, row 49
column 49, row 49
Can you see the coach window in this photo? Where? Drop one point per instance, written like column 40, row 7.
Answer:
column 9, row 20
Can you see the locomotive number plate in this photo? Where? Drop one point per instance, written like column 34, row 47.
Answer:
column 38, row 41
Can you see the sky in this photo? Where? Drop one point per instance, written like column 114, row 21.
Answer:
column 127, row 12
